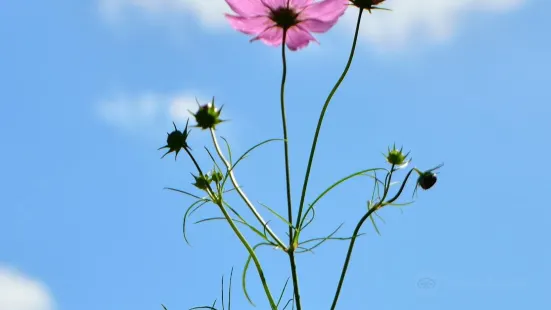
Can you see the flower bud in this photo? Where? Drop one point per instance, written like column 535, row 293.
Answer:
column 397, row 157
column 217, row 176
column 208, row 116
column 176, row 141
column 427, row 179
column 367, row 4
column 202, row 181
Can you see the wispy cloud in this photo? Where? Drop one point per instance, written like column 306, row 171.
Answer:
column 20, row 292
column 424, row 20
column 410, row 21
column 148, row 112
column 208, row 12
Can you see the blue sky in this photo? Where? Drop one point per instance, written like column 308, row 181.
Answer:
column 89, row 90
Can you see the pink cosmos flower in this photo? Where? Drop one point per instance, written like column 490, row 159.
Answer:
column 267, row 20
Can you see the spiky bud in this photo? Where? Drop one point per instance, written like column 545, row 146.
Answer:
column 217, row 176
column 367, row 4
column 176, row 141
column 202, row 181
column 208, row 116
column 397, row 157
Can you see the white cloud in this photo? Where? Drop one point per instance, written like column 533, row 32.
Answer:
column 147, row 112
column 409, row 21
column 424, row 20
column 208, row 12
column 19, row 292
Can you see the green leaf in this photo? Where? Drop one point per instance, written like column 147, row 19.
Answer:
column 212, row 158
column 287, row 304
column 223, row 306
column 183, row 192
column 278, row 215
column 244, row 276
column 324, row 239
column 353, row 175
column 310, row 221
column 187, row 214
column 251, row 149
column 282, row 292
column 369, row 206
column 229, row 149
column 254, row 229
column 229, row 289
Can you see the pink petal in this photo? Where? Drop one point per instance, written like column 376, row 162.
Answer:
column 299, row 4
column 274, row 4
column 316, row 25
column 250, row 25
column 248, row 8
column 326, row 10
column 271, row 36
column 298, row 37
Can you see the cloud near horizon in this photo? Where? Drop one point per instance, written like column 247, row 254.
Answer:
column 20, row 292
column 146, row 112
column 432, row 20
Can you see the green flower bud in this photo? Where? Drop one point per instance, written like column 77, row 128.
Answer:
column 217, row 176
column 397, row 157
column 208, row 116
column 202, row 181
column 176, row 141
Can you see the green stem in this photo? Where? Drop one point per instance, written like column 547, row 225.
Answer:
column 349, row 253
column 242, row 194
column 219, row 203
column 320, row 121
column 376, row 207
column 291, row 250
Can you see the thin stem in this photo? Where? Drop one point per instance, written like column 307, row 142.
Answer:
column 218, row 202
column 291, row 250
column 376, row 207
column 242, row 194
column 349, row 253
column 320, row 121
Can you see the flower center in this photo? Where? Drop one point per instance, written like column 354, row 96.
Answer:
column 284, row 17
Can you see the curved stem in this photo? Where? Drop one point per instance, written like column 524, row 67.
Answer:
column 219, row 203
column 291, row 250
column 242, row 194
column 324, row 109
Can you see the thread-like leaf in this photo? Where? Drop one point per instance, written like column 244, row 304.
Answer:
column 330, row 188
column 229, row 289
column 282, row 292
column 188, row 213
column 251, row 149
column 244, row 222
column 183, row 192
column 212, row 158
column 324, row 239
column 277, row 215
column 244, row 276
column 369, row 206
